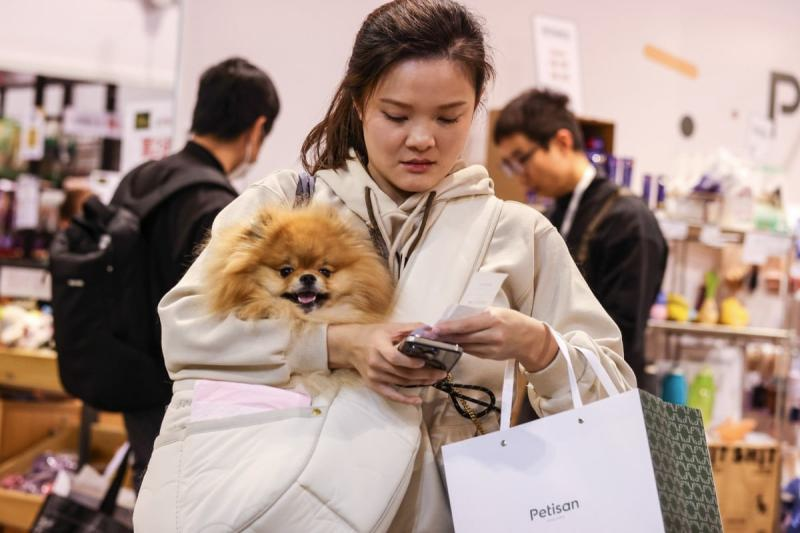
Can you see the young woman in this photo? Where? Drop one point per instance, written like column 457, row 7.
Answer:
column 388, row 150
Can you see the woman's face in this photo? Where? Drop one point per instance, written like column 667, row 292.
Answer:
column 416, row 123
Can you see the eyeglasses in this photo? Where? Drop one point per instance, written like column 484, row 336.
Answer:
column 515, row 165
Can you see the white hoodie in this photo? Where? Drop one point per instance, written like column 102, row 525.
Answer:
column 542, row 282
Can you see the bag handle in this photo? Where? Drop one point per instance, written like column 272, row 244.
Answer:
column 592, row 360
column 109, row 503
column 306, row 183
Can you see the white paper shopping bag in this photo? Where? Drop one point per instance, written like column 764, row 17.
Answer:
column 593, row 468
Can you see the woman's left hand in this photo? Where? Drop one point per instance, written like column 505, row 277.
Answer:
column 501, row 334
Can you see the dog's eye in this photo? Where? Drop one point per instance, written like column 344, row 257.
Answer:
column 325, row 272
column 286, row 271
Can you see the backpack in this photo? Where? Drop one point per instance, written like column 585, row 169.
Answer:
column 103, row 333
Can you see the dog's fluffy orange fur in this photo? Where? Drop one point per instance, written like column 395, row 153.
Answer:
column 304, row 263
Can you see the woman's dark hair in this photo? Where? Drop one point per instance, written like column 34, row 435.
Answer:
column 538, row 114
column 395, row 32
column 231, row 96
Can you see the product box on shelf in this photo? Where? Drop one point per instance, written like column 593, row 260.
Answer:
column 747, row 478
column 18, row 509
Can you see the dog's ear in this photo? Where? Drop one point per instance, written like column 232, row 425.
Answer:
column 256, row 229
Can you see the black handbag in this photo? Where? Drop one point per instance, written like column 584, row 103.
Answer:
column 64, row 515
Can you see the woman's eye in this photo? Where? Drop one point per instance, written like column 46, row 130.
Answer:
column 286, row 271
column 325, row 272
column 446, row 120
column 395, row 118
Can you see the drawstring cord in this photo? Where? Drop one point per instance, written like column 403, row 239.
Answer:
column 425, row 214
column 393, row 256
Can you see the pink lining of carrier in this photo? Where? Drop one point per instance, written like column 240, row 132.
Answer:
column 222, row 399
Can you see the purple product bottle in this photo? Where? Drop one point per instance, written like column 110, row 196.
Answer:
column 646, row 187
column 661, row 193
column 612, row 168
column 627, row 172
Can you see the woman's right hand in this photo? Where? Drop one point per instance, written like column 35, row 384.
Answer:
column 371, row 349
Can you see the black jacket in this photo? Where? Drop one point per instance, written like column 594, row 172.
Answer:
column 176, row 228
column 626, row 261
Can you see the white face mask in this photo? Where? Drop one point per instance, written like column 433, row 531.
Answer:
column 238, row 174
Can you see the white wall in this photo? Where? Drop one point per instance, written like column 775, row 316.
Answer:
column 304, row 46
column 120, row 41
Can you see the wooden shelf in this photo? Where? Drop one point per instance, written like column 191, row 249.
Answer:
column 24, row 263
column 729, row 235
column 34, row 369
column 710, row 330
column 18, row 509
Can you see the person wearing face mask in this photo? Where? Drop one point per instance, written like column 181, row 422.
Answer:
column 236, row 107
column 613, row 236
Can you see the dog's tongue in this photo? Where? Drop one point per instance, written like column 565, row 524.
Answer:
column 306, row 297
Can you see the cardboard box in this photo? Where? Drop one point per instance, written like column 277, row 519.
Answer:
column 747, row 478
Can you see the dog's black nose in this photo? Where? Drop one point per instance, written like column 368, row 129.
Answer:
column 308, row 279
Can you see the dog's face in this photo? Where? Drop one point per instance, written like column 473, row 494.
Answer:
column 315, row 260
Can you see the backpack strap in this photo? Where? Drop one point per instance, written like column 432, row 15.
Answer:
column 583, row 248
column 305, row 189
column 170, row 186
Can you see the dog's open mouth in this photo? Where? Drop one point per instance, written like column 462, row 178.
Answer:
column 307, row 300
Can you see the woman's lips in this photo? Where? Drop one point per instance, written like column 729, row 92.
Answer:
column 417, row 166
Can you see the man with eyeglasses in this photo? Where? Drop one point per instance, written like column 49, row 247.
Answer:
column 613, row 236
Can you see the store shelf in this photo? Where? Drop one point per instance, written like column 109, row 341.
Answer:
column 34, row 369
column 24, row 263
column 730, row 236
column 18, row 509
column 687, row 231
column 706, row 330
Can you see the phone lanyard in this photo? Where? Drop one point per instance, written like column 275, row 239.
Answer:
column 460, row 400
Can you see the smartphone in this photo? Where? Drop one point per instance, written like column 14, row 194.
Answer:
column 437, row 354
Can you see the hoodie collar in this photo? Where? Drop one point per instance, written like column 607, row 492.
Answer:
column 349, row 183
column 398, row 229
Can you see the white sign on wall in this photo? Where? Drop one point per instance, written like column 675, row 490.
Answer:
column 31, row 138
column 26, row 202
column 90, row 123
column 20, row 282
column 146, row 133
column 555, row 43
column 759, row 138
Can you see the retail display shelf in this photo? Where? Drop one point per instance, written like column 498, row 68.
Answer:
column 684, row 230
column 710, row 330
column 18, row 509
column 24, row 263
column 35, row 369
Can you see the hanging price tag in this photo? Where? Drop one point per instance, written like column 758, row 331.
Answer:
column 26, row 202
column 758, row 247
column 674, row 230
column 712, row 236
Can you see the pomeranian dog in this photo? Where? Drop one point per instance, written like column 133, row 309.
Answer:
column 305, row 263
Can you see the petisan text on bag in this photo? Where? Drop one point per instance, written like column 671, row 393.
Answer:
column 554, row 510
